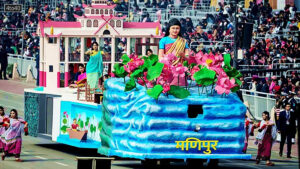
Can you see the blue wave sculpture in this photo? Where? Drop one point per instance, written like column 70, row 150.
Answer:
column 138, row 126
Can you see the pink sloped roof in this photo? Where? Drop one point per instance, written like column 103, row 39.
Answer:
column 57, row 24
column 100, row 6
column 141, row 24
column 100, row 17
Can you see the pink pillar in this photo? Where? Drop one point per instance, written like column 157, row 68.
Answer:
column 58, row 79
column 41, row 77
column 45, row 79
column 66, row 79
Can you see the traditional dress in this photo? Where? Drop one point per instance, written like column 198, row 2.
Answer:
column 12, row 137
column 176, row 47
column 248, row 127
column 265, row 140
column 94, row 69
column 3, row 128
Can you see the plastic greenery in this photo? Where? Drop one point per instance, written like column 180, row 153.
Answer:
column 205, row 69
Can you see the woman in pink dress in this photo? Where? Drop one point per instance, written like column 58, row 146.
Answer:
column 265, row 138
column 12, row 137
column 3, row 127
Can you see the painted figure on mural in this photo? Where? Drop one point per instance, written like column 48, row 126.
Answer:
column 12, row 138
column 174, row 43
column 94, row 67
column 75, row 125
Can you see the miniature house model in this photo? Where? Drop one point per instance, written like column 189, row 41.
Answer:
column 64, row 43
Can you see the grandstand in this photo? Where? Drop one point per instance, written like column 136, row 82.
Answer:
column 274, row 49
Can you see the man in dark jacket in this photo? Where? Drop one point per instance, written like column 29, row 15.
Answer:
column 287, row 128
column 3, row 61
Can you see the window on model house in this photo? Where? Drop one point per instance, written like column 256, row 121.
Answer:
column 97, row 11
column 101, row 11
column 106, row 11
column 112, row 23
column 95, row 24
column 118, row 24
column 93, row 11
column 89, row 23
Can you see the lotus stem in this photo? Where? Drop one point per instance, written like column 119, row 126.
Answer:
column 178, row 80
column 145, row 83
column 198, row 90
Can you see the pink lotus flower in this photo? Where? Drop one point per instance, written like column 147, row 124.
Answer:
column 166, row 87
column 168, row 59
column 224, row 84
column 209, row 60
column 134, row 63
column 112, row 74
column 179, row 70
column 65, row 113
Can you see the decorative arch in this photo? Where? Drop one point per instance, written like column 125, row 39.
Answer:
column 106, row 32
column 87, row 11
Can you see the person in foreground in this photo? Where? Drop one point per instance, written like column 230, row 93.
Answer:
column 265, row 138
column 287, row 128
column 12, row 137
column 173, row 43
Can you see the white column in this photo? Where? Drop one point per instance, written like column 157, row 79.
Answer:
column 143, row 47
column 113, row 52
column 153, row 48
column 42, row 56
column 67, row 49
column 128, row 45
column 82, row 49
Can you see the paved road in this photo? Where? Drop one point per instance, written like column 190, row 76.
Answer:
column 39, row 153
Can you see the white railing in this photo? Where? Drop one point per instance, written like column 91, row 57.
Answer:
column 260, row 102
column 23, row 64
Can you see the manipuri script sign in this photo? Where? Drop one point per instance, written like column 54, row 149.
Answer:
column 12, row 8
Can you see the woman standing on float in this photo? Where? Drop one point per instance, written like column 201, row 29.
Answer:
column 173, row 43
column 12, row 137
column 94, row 67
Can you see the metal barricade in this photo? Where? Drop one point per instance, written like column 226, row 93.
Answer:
column 23, row 64
column 258, row 102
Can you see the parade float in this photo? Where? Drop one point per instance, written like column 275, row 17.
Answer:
column 142, row 115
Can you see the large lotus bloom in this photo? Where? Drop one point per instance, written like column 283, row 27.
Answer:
column 224, row 84
column 168, row 59
column 209, row 60
column 134, row 63
column 166, row 87
column 179, row 70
